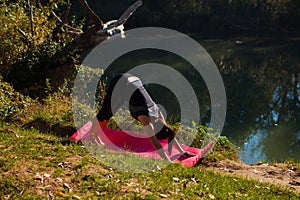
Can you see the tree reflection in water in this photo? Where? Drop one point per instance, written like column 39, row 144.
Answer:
column 263, row 90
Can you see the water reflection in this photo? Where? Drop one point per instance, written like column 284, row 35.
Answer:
column 253, row 150
column 262, row 82
column 275, row 144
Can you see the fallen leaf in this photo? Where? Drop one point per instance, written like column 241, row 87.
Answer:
column 64, row 164
column 163, row 195
column 109, row 176
column 175, row 179
column 51, row 194
column 59, row 179
column 21, row 192
column 211, row 196
column 39, row 177
column 59, row 193
column 46, row 175
column 76, row 197
column 194, row 180
column 66, row 185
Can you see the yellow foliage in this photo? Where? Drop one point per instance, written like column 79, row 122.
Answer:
column 16, row 32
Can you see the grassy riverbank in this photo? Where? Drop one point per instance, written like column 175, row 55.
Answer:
column 36, row 165
column 38, row 162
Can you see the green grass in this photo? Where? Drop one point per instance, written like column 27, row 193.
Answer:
column 37, row 164
column 74, row 173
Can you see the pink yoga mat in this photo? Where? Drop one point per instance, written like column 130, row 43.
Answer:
column 141, row 146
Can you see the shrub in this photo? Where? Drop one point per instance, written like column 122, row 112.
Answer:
column 12, row 103
column 24, row 26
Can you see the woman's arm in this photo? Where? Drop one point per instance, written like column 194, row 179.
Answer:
column 175, row 142
column 149, row 129
column 96, row 131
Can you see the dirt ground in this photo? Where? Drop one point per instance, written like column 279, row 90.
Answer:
column 287, row 175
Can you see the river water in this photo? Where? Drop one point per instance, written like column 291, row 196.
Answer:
column 262, row 82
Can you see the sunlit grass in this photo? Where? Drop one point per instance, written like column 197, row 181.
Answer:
column 69, row 170
column 36, row 165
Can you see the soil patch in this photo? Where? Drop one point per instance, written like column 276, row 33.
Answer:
column 287, row 175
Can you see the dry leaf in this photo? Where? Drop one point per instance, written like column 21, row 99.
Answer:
column 211, row 196
column 163, row 195
column 59, row 179
column 64, row 164
column 66, row 185
column 175, row 179
column 39, row 177
column 51, row 194
column 46, row 175
column 194, row 180
column 109, row 176
column 59, row 193
column 76, row 197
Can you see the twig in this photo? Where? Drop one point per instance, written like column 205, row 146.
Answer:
column 31, row 40
column 25, row 40
column 92, row 14
column 62, row 20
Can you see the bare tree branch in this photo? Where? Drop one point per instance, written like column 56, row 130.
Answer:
column 63, row 24
column 125, row 16
column 31, row 20
column 73, row 29
column 92, row 14
column 57, row 17
column 25, row 39
column 62, row 20
column 65, row 15
column 31, row 37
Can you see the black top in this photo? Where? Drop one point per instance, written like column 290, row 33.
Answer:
column 126, row 87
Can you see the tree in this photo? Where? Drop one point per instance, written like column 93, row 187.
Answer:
column 62, row 47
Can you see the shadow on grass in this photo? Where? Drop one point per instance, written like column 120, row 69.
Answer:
column 46, row 127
